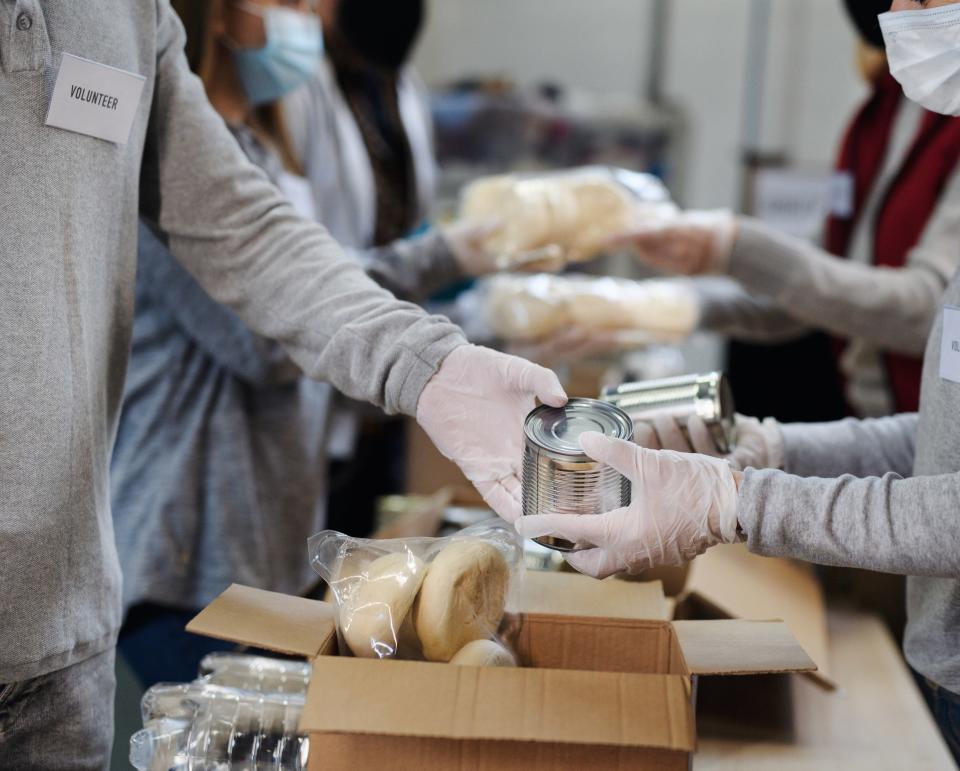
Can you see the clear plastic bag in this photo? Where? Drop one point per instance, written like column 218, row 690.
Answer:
column 531, row 308
column 420, row 598
column 255, row 673
column 209, row 727
column 551, row 219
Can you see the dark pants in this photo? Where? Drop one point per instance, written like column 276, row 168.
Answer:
column 153, row 642
column 945, row 706
column 61, row 721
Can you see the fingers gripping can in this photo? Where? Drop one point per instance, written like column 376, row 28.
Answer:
column 707, row 395
column 558, row 477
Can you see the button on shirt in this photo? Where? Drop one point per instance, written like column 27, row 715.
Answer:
column 68, row 239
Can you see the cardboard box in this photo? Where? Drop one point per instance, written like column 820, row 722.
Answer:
column 592, row 692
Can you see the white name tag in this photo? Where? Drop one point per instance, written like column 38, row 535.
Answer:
column 842, row 191
column 94, row 99
column 950, row 344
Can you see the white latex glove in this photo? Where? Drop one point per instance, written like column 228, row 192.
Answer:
column 468, row 240
column 691, row 243
column 759, row 444
column 682, row 504
column 473, row 410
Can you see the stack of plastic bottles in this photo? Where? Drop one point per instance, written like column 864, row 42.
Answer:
column 242, row 712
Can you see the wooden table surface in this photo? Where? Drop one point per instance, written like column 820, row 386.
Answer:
column 877, row 720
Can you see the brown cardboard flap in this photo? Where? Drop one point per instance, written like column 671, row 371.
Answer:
column 269, row 620
column 594, row 644
column 572, row 594
column 733, row 582
column 349, row 695
column 737, row 647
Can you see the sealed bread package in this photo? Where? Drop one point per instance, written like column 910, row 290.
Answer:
column 417, row 598
column 532, row 308
column 551, row 219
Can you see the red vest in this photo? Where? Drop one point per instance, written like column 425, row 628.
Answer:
column 909, row 203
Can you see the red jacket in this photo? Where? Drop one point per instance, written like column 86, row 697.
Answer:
column 909, row 203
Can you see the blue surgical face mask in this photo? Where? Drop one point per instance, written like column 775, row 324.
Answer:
column 291, row 56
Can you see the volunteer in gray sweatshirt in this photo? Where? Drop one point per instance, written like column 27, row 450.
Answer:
column 897, row 506
column 101, row 120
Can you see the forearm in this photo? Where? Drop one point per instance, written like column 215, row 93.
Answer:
column 893, row 308
column 864, row 448
column 413, row 269
column 889, row 524
column 286, row 278
column 728, row 309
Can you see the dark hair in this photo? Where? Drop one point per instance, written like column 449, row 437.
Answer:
column 195, row 15
column 864, row 15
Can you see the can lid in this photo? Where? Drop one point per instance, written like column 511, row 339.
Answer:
column 558, row 429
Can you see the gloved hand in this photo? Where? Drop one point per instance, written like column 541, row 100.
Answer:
column 467, row 240
column 691, row 243
column 682, row 504
column 759, row 444
column 473, row 410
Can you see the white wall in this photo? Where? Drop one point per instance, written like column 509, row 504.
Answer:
column 811, row 86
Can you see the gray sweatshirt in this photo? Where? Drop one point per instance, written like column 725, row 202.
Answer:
column 880, row 494
column 68, row 241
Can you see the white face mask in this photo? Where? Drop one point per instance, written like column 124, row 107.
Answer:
column 923, row 50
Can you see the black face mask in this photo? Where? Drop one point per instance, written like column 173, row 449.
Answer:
column 864, row 15
column 381, row 31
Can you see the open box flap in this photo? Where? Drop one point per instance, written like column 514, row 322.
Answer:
column 733, row 582
column 737, row 647
column 269, row 620
column 347, row 695
column 573, row 594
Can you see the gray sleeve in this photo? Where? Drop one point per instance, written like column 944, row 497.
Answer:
column 214, row 328
column 412, row 269
column 285, row 277
column 864, row 448
column 892, row 307
column 728, row 309
column 889, row 524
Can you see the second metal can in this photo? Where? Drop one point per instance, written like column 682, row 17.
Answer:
column 707, row 395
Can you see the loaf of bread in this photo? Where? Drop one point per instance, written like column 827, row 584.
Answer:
column 570, row 215
column 483, row 653
column 372, row 614
column 462, row 598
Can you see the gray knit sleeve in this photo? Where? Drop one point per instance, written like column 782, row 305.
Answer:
column 870, row 447
column 888, row 524
column 893, row 308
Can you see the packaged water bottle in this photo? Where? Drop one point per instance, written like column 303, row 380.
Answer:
column 204, row 727
column 255, row 673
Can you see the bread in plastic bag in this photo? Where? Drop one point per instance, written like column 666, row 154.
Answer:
column 483, row 653
column 551, row 219
column 530, row 308
column 418, row 598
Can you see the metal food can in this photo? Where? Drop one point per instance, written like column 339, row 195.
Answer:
column 558, row 477
column 707, row 395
